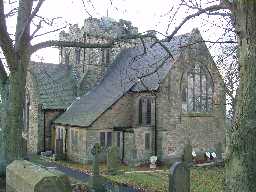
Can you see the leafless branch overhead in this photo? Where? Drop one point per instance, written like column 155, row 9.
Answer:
column 198, row 13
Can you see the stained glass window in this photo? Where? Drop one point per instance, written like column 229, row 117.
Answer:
column 197, row 90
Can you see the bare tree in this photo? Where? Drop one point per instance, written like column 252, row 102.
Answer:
column 241, row 169
column 240, row 164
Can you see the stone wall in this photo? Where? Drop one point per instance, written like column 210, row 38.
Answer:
column 35, row 132
column 175, row 127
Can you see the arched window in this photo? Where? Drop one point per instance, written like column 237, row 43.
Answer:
column 67, row 57
column 145, row 111
column 197, row 90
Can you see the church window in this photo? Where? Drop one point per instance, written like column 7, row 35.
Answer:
column 197, row 90
column 74, row 137
column 147, row 141
column 118, row 139
column 78, row 55
column 102, row 139
column 145, row 111
column 109, row 139
column 67, row 58
column 105, row 139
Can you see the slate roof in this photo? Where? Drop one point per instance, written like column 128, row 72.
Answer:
column 54, row 83
column 126, row 74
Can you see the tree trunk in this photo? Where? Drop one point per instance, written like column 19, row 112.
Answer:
column 241, row 163
column 14, row 121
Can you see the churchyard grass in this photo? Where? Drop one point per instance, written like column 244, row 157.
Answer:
column 202, row 180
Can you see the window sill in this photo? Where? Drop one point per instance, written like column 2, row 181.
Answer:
column 197, row 114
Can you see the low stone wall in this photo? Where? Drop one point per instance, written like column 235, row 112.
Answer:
column 24, row 176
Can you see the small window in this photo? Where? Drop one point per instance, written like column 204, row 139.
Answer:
column 145, row 111
column 147, row 141
column 67, row 58
column 140, row 111
column 118, row 139
column 105, row 139
column 74, row 137
column 102, row 139
column 109, row 139
column 78, row 55
column 148, row 114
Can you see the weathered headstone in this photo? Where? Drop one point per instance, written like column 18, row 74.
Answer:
column 187, row 157
column 95, row 161
column 96, row 181
column 179, row 178
column 218, row 148
column 132, row 158
column 113, row 160
column 24, row 176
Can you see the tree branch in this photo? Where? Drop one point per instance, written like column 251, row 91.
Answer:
column 3, row 74
column 25, row 17
column 201, row 11
column 5, row 40
column 46, row 44
column 35, row 11
column 41, row 34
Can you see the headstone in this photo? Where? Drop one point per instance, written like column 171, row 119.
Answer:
column 24, row 176
column 95, row 161
column 132, row 158
column 187, row 157
column 218, row 148
column 113, row 160
column 96, row 181
column 179, row 178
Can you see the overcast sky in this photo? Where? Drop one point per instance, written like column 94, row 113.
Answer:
column 144, row 14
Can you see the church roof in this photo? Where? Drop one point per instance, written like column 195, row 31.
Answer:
column 132, row 70
column 54, row 83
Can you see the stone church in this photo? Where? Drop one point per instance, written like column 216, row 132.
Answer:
column 137, row 96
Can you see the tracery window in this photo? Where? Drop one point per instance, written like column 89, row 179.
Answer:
column 197, row 90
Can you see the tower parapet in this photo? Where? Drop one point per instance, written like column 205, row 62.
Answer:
column 90, row 64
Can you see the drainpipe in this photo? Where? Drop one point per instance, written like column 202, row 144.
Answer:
column 44, row 144
column 123, row 146
column 65, row 142
column 155, row 127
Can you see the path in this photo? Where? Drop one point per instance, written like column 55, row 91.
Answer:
column 84, row 177
column 79, row 175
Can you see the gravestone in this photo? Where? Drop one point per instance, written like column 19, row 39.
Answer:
column 96, row 181
column 24, row 176
column 96, row 150
column 112, row 160
column 187, row 156
column 179, row 178
column 218, row 148
column 132, row 158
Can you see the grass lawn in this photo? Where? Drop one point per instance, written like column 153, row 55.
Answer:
column 203, row 179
